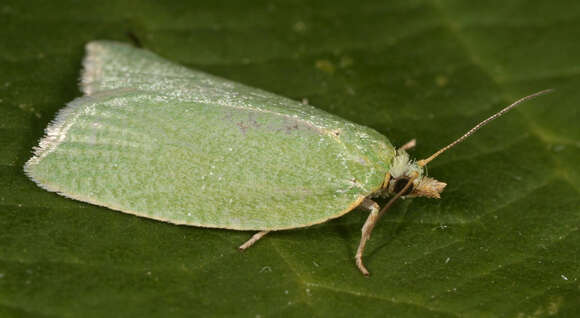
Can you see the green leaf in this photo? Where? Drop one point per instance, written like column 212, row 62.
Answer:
column 502, row 241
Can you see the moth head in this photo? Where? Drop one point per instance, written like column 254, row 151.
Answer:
column 403, row 170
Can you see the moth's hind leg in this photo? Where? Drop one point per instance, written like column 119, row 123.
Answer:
column 253, row 240
column 367, row 228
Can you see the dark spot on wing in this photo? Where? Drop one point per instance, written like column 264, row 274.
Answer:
column 291, row 127
column 243, row 127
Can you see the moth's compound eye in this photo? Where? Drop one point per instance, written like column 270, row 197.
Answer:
column 400, row 183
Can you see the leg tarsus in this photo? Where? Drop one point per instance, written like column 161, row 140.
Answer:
column 253, row 240
column 366, row 233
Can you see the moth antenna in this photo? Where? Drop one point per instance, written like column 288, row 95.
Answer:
column 424, row 162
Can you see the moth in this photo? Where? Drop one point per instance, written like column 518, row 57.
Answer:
column 161, row 141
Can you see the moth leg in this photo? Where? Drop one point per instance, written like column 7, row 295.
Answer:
column 253, row 240
column 366, row 232
column 372, row 221
column 410, row 144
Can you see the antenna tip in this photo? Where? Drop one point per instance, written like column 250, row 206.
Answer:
column 542, row 92
column 424, row 162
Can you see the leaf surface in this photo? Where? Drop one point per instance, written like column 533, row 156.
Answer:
column 502, row 241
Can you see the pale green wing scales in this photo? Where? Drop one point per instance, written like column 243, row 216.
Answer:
column 157, row 140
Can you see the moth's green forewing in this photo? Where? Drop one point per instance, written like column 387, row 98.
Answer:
column 158, row 140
